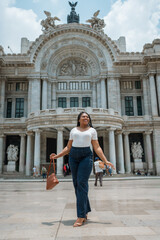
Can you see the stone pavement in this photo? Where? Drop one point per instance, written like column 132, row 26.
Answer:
column 121, row 210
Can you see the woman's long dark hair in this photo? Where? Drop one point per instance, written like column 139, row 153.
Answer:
column 79, row 116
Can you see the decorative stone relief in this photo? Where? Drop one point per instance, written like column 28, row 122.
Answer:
column 75, row 67
column 44, row 65
column 103, row 64
column 100, row 54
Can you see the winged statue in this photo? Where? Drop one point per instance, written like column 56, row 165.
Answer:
column 96, row 13
column 49, row 23
column 96, row 23
column 48, row 14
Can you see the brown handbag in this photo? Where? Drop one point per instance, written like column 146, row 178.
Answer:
column 52, row 180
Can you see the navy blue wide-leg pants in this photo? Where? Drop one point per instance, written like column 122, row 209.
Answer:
column 80, row 161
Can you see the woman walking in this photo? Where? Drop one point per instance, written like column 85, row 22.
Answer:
column 80, row 161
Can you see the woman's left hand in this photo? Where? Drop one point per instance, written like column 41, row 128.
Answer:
column 52, row 156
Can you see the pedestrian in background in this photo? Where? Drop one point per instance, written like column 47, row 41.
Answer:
column 44, row 172
column 98, row 171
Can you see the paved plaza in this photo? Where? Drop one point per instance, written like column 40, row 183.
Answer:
column 121, row 210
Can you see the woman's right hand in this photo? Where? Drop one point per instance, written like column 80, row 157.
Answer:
column 53, row 156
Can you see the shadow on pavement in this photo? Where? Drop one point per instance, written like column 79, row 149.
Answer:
column 71, row 222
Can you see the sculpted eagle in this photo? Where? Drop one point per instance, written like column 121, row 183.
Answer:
column 73, row 4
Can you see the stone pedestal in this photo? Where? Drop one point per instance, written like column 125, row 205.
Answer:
column 138, row 164
column 11, row 167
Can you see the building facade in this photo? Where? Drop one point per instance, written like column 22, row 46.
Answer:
column 72, row 68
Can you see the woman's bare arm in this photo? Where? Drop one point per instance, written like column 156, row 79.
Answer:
column 100, row 153
column 64, row 152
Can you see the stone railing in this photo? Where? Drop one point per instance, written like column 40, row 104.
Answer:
column 137, row 118
column 67, row 117
column 12, row 120
column 73, row 110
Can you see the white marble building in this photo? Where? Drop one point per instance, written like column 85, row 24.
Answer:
column 71, row 68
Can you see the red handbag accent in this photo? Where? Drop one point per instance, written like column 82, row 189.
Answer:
column 52, row 180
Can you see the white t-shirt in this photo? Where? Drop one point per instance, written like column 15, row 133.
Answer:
column 97, row 168
column 82, row 139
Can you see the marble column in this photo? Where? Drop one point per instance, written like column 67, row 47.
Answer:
column 158, row 89
column 29, row 153
column 59, row 149
column 35, row 94
column 53, row 95
column 98, row 95
column 22, row 153
column 37, row 150
column 105, row 143
column 127, row 152
column 94, row 98
column 120, row 153
column 1, row 152
column 49, row 95
column 103, row 93
column 118, row 96
column 44, row 94
column 135, row 106
column 145, row 96
column 148, row 150
column 153, row 95
column 156, row 146
column 112, row 150
column 2, row 97
column 29, row 95
column 112, row 93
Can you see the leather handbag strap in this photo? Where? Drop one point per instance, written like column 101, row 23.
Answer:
column 54, row 168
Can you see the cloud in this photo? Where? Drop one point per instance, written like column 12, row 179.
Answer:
column 17, row 23
column 137, row 20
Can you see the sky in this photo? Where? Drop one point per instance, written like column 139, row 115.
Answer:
column 137, row 20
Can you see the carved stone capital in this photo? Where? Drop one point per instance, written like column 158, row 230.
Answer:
column 34, row 77
column 22, row 135
column 111, row 129
column 30, row 133
column 113, row 76
column 3, row 78
column 143, row 77
column 119, row 132
column 2, row 135
column 126, row 132
column 38, row 131
column 151, row 74
column 60, row 129
column 148, row 132
column 44, row 78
